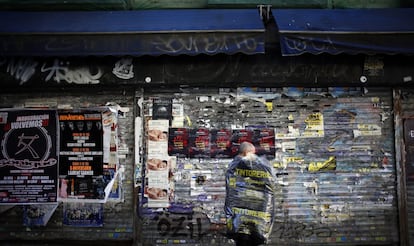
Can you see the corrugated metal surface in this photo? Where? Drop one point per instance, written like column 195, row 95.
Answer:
column 407, row 117
column 353, row 202
column 118, row 222
column 409, row 176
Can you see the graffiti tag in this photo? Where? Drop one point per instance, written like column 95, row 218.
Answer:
column 21, row 69
column 60, row 71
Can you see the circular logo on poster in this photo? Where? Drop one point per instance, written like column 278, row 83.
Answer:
column 28, row 147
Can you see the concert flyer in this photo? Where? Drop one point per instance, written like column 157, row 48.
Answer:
column 178, row 142
column 220, row 143
column 199, row 143
column 28, row 157
column 81, row 155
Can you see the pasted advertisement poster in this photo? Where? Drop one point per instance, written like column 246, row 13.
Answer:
column 314, row 126
column 199, row 143
column 81, row 155
column 303, row 126
column 38, row 214
column 221, row 143
column 83, row 214
column 159, row 185
column 158, row 166
column 162, row 109
column 28, row 158
column 264, row 142
column 178, row 139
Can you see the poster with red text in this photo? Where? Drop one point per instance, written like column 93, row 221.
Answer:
column 199, row 143
column 28, row 157
column 178, row 142
column 220, row 143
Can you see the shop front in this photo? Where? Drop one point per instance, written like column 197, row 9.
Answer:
column 334, row 140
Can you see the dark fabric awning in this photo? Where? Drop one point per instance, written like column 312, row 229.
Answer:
column 136, row 33
column 350, row 31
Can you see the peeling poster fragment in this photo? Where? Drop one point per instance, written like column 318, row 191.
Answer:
column 367, row 130
column 327, row 165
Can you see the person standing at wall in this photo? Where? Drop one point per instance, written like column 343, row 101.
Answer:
column 249, row 204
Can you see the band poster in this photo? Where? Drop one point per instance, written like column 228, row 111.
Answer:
column 28, row 157
column 199, row 143
column 221, row 143
column 159, row 166
column 81, row 155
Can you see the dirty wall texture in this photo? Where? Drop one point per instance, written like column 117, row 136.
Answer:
column 333, row 153
column 117, row 214
column 405, row 125
column 218, row 70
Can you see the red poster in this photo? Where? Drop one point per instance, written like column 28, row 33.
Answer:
column 178, row 142
column 199, row 143
column 220, row 143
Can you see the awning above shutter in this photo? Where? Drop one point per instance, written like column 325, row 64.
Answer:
column 136, row 33
column 350, row 31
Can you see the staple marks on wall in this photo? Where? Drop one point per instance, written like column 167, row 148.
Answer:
column 333, row 156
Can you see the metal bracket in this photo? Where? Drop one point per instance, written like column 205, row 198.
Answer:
column 264, row 11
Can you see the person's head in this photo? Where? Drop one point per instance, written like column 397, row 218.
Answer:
column 246, row 149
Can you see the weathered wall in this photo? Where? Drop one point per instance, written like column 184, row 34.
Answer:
column 405, row 146
column 118, row 215
column 353, row 201
column 220, row 70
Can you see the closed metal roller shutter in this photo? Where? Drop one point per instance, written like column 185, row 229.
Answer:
column 405, row 101
column 334, row 158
